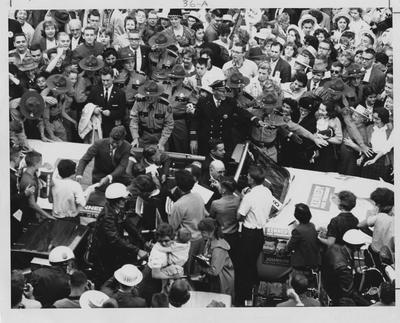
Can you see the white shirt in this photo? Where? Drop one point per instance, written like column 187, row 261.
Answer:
column 254, row 88
column 379, row 139
column 74, row 42
column 367, row 75
column 248, row 69
column 67, row 196
column 212, row 75
column 256, row 206
column 108, row 92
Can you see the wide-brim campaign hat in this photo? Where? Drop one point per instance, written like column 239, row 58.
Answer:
column 59, row 83
column 31, row 105
column 151, row 88
column 177, row 72
column 128, row 275
column 91, row 63
column 61, row 16
column 342, row 14
column 237, row 80
column 125, row 54
column 356, row 237
column 27, row 64
column 270, row 99
column 161, row 40
column 256, row 53
column 361, row 110
column 159, row 75
column 305, row 17
column 353, row 70
column 92, row 299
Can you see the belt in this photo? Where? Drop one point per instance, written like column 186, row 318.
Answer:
column 262, row 144
column 145, row 129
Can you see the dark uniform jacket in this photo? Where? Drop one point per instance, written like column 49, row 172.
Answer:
column 116, row 104
column 104, row 163
column 212, row 122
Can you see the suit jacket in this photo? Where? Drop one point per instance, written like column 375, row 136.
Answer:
column 144, row 51
column 304, row 246
column 285, row 70
column 104, row 164
column 377, row 79
column 116, row 104
column 211, row 122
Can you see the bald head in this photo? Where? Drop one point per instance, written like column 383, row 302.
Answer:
column 217, row 169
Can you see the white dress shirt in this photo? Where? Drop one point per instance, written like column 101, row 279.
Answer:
column 379, row 139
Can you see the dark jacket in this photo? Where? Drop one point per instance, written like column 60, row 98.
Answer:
column 285, row 70
column 124, row 299
column 50, row 284
column 144, row 51
column 210, row 122
column 341, row 223
column 116, row 104
column 377, row 79
column 304, row 246
column 104, row 164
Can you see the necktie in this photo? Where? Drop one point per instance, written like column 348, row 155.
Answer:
column 106, row 95
column 198, row 79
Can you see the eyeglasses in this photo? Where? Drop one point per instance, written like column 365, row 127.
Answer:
column 335, row 72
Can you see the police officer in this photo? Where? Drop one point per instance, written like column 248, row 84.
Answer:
column 151, row 117
column 164, row 53
column 213, row 119
column 182, row 98
column 272, row 121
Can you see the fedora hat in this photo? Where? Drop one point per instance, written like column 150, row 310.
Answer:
column 32, row 105
column 265, row 33
column 91, row 63
column 303, row 60
column 237, row 80
column 151, row 88
column 161, row 40
column 353, row 70
column 311, row 50
column 128, row 275
column 92, row 299
column 255, row 53
column 59, row 83
column 126, row 54
column 177, row 72
column 27, row 64
column 361, row 110
column 356, row 237
column 305, row 17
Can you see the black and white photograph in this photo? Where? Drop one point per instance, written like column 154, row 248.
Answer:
column 192, row 155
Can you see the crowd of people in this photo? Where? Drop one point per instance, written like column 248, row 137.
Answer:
column 312, row 89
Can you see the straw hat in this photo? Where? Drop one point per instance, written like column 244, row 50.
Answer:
column 128, row 275
column 92, row 299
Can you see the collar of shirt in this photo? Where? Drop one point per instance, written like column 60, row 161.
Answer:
column 217, row 102
column 367, row 74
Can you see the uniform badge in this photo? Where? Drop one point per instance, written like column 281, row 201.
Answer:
column 10, row 34
column 225, row 116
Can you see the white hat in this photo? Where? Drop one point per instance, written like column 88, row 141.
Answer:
column 128, row 275
column 116, row 191
column 302, row 60
column 356, row 237
column 265, row 33
column 60, row 254
column 307, row 16
column 92, row 299
column 227, row 18
column 311, row 50
column 361, row 110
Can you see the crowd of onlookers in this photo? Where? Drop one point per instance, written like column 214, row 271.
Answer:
column 312, row 89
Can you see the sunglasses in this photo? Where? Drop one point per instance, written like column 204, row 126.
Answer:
column 335, row 72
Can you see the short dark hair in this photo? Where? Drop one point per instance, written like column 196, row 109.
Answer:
column 17, row 287
column 383, row 114
column 129, row 17
column 197, row 25
column 202, row 61
column 35, row 47
column 347, row 200
column 179, row 293
column 165, row 229
column 337, row 64
column 213, row 143
column 381, row 58
column 149, row 151
column 78, row 278
column 210, row 225
column 294, row 46
column 109, row 51
column 387, row 293
column 19, row 35
column 229, row 183
column 144, row 183
column 241, row 44
column 302, row 213
column 159, row 300
column 223, row 29
column 195, row 171
column 118, row 133
column 370, row 51
column 257, row 173
column 369, row 90
column 276, row 43
column 66, row 168
column 32, row 158
column 94, row 12
column 301, row 77
column 107, row 70
column 299, row 282
column 184, row 180
column 208, row 51
column 321, row 31
column 383, row 198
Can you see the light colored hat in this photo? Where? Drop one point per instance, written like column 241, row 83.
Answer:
column 61, row 254
column 128, row 275
column 356, row 237
column 195, row 15
column 294, row 27
column 265, row 33
column 305, row 17
column 116, row 191
column 227, row 18
column 361, row 110
column 311, row 50
column 92, row 299
column 342, row 14
column 302, row 60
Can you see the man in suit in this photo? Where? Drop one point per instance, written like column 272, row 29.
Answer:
column 278, row 64
column 75, row 27
column 213, row 119
column 111, row 157
column 140, row 52
column 373, row 75
column 110, row 100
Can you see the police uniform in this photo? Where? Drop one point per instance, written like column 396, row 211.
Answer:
column 179, row 97
column 129, row 82
column 151, row 121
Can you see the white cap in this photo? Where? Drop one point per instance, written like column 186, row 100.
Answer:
column 356, row 237
column 128, row 275
column 92, row 299
column 116, row 191
column 60, row 254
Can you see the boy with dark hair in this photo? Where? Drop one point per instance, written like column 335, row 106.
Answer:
column 343, row 222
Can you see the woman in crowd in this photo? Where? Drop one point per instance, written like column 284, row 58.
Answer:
column 21, row 16
column 341, row 23
column 49, row 35
column 290, row 53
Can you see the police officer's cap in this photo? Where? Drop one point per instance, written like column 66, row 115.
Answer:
column 218, row 85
